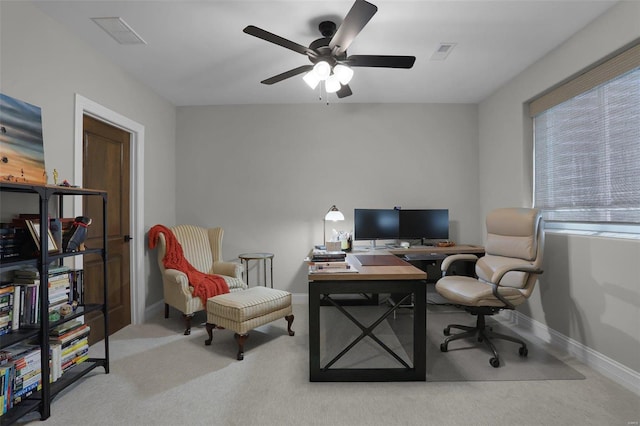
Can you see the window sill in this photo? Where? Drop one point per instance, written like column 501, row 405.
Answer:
column 627, row 231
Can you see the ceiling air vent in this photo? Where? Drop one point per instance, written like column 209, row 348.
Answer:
column 119, row 30
column 442, row 51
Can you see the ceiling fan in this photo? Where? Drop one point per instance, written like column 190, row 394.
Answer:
column 328, row 55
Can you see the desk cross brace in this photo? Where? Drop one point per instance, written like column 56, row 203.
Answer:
column 366, row 331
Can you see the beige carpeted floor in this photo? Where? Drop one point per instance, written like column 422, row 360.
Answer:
column 161, row 377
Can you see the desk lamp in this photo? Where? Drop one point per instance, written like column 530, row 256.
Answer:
column 334, row 215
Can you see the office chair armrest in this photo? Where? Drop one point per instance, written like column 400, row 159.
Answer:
column 450, row 260
column 500, row 272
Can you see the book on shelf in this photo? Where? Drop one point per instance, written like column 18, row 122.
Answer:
column 65, row 327
column 70, row 337
column 9, row 307
column 55, row 363
column 32, row 272
column 29, row 303
column 24, row 367
column 7, row 373
column 77, row 285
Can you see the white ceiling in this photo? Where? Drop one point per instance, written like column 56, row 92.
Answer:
column 197, row 54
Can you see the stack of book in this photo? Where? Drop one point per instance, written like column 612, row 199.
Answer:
column 326, row 262
column 319, row 255
column 10, row 241
column 23, row 372
column 59, row 282
column 330, row 267
column 69, row 346
column 7, row 372
column 9, row 310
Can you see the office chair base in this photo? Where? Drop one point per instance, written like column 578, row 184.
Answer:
column 482, row 334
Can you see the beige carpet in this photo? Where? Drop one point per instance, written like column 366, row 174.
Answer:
column 161, row 377
column 465, row 361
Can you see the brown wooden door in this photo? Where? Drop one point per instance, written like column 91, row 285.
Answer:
column 106, row 165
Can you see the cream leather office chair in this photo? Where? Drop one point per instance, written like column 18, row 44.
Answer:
column 203, row 249
column 505, row 276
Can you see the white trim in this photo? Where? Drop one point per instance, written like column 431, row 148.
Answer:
column 89, row 107
column 629, row 231
column 604, row 365
column 300, row 298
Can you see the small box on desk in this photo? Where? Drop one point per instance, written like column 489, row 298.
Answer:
column 333, row 245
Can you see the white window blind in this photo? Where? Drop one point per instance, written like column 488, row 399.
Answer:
column 587, row 154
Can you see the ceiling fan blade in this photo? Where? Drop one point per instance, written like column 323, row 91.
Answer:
column 276, row 39
column 383, row 61
column 344, row 91
column 287, row 74
column 361, row 12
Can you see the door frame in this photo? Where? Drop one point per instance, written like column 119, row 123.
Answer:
column 85, row 106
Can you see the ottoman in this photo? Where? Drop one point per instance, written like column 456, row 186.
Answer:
column 245, row 310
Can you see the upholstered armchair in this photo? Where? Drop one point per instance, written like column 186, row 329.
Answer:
column 203, row 249
column 505, row 276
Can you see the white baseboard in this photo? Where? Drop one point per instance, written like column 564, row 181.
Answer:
column 604, row 365
column 300, row 298
column 152, row 310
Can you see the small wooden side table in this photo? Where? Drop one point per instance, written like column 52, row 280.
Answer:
column 246, row 257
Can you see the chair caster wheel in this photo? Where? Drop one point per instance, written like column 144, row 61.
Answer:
column 446, row 331
column 495, row 362
column 443, row 347
column 523, row 351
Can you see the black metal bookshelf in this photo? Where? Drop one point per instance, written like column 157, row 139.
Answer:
column 41, row 400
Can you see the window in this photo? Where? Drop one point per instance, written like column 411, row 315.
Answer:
column 587, row 147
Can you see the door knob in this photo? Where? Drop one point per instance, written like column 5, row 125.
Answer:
column 127, row 238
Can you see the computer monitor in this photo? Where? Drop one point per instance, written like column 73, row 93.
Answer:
column 375, row 224
column 428, row 224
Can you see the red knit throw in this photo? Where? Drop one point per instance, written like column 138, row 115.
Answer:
column 204, row 285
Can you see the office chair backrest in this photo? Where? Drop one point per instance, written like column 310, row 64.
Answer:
column 514, row 235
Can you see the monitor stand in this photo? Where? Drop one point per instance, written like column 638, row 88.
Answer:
column 373, row 246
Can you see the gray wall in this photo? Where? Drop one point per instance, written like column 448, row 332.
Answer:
column 590, row 290
column 268, row 174
column 264, row 177
column 43, row 64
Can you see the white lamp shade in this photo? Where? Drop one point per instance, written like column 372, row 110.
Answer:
column 343, row 72
column 334, row 214
column 322, row 69
column 332, row 84
column 311, row 79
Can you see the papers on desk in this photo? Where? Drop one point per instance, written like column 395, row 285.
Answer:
column 331, row 268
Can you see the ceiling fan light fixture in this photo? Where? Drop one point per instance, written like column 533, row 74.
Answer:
column 344, row 73
column 322, row 70
column 311, row 79
column 332, row 84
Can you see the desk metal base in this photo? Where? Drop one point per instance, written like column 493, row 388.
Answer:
column 320, row 292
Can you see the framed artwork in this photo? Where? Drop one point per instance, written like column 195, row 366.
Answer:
column 21, row 143
column 34, row 230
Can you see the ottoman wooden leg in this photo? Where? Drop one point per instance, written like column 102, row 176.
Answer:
column 210, row 328
column 166, row 310
column 289, row 319
column 241, row 338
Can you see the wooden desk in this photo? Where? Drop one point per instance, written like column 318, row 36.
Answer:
column 401, row 277
column 458, row 249
column 429, row 258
